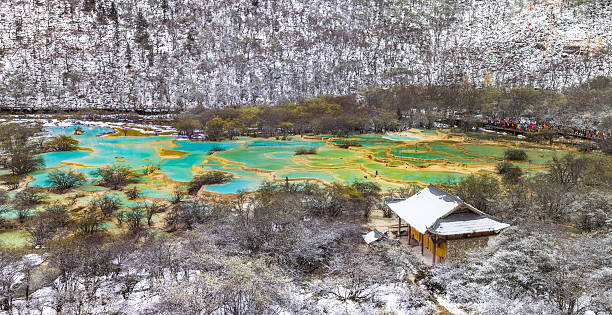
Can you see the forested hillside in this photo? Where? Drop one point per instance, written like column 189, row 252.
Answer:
column 226, row 52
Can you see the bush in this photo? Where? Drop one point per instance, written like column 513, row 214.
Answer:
column 29, row 198
column 133, row 193
column 306, row 151
column 62, row 143
column 515, row 155
column 3, row 198
column 191, row 213
column 21, row 162
column 215, row 149
column 25, row 202
column 151, row 209
column 587, row 147
column 114, row 176
column 107, row 204
column 366, row 188
column 347, row 144
column 46, row 224
column 134, row 219
column 78, row 130
column 177, row 196
column 90, row 220
column 19, row 148
column 56, row 214
column 605, row 145
column 62, row 180
column 40, row 231
column 503, row 167
column 478, row 190
column 510, row 174
column 150, row 169
column 595, row 211
column 210, row 178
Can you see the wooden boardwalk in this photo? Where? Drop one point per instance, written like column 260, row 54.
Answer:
column 522, row 132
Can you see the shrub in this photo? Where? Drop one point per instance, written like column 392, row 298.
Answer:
column 210, row 178
column 132, row 193
column 22, row 162
column 478, row 190
column 90, row 220
column 45, row 224
column 134, row 219
column 510, row 174
column 191, row 213
column 25, row 201
column 62, row 143
column 56, row 214
column 515, row 155
column 29, row 197
column 215, row 149
column 366, row 188
column 40, row 231
column 347, row 144
column 150, row 169
column 503, row 167
column 114, row 176
column 177, row 196
column 587, row 147
column 3, row 198
column 605, row 145
column 78, row 130
column 595, row 211
column 152, row 208
column 62, row 180
column 107, row 204
column 306, row 151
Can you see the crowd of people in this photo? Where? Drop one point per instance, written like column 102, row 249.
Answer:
column 529, row 126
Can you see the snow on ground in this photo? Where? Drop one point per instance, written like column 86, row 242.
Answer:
column 213, row 53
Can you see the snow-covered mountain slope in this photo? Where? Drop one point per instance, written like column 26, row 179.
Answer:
column 127, row 52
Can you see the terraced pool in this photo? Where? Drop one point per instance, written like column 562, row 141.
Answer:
column 417, row 157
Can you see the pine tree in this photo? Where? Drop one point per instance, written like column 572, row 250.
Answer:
column 101, row 14
column 141, row 35
column 89, row 5
column 150, row 57
column 165, row 7
column 128, row 55
column 112, row 13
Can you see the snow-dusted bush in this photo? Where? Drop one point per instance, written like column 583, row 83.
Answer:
column 185, row 52
column 593, row 211
column 531, row 270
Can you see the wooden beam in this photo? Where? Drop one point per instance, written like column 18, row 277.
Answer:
column 433, row 250
column 399, row 227
column 409, row 233
column 422, row 239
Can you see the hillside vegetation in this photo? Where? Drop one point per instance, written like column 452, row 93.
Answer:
column 125, row 53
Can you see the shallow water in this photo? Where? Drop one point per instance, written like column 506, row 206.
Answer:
column 391, row 161
column 397, row 159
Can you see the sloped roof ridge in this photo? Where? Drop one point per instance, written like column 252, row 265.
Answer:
column 439, row 191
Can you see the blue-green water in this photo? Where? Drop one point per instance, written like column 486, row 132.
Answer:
column 253, row 160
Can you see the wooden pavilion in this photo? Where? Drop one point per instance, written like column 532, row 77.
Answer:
column 443, row 223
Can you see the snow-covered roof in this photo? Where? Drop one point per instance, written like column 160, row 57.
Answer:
column 466, row 223
column 431, row 209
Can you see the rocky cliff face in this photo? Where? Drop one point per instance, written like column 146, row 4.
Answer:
column 125, row 52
